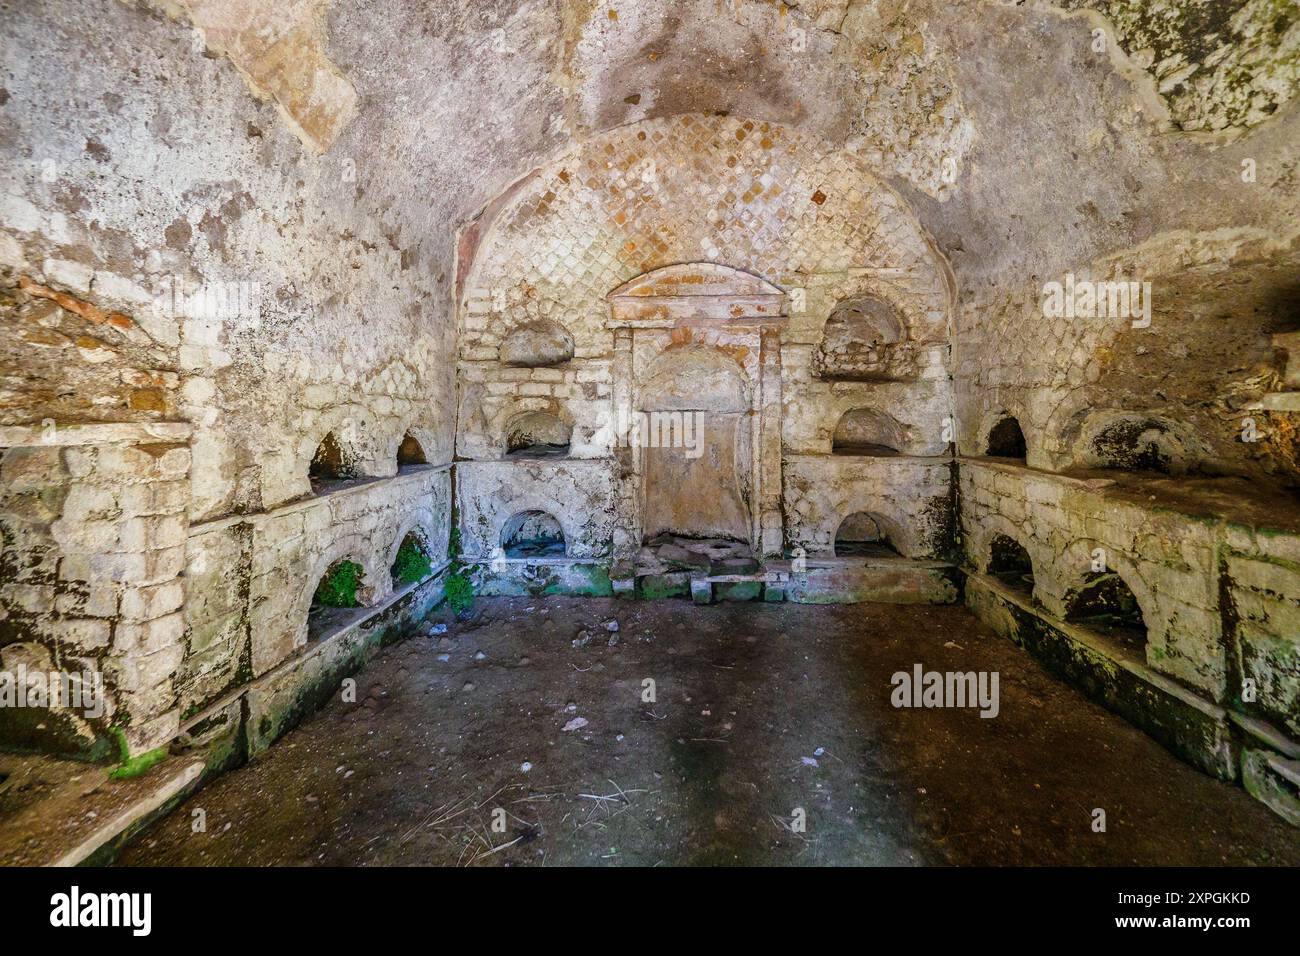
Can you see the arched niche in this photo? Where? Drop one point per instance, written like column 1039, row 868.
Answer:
column 410, row 452
column 1010, row 563
column 537, row 434
column 1006, row 440
column 533, row 534
column 1137, row 442
column 1105, row 603
column 864, row 340
column 537, row 344
column 863, row 534
column 330, row 463
column 868, row 431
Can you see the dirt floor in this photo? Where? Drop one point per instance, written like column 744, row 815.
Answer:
column 758, row 710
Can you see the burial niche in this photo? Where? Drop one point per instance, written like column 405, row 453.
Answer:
column 1105, row 603
column 1010, row 563
column 337, row 591
column 532, row 534
column 411, row 563
column 536, row 345
column 410, row 452
column 329, row 464
column 1006, row 440
column 537, row 434
column 862, row 535
column 1138, row 443
column 868, row 431
column 865, row 340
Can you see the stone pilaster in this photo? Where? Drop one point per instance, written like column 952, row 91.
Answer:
column 769, row 452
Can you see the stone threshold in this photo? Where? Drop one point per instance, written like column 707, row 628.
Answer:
column 412, row 473
column 825, row 580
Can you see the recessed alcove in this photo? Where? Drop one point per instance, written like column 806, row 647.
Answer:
column 410, row 452
column 868, row 432
column 539, row 344
column 1105, row 603
column 862, row 535
column 1006, row 440
column 864, row 340
column 533, row 534
column 1010, row 563
column 537, row 434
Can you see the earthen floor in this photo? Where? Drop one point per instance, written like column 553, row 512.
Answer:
column 759, row 711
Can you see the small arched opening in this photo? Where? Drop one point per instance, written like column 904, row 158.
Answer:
column 864, row 340
column 1006, row 440
column 867, row 431
column 1105, row 603
column 1137, row 443
column 330, row 463
column 537, row 434
column 412, row 562
column 337, row 591
column 532, row 534
column 1010, row 563
column 863, row 535
column 410, row 452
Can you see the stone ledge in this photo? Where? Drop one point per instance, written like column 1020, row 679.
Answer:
column 319, row 645
column 82, row 811
column 107, row 433
column 279, row 699
column 888, row 581
column 306, row 504
column 581, row 577
column 1195, row 729
column 1274, row 782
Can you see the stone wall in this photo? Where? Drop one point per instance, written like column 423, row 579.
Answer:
column 912, row 499
column 1217, row 593
column 254, row 576
column 92, row 521
column 1260, row 574
column 1167, row 559
column 578, row 494
column 1063, row 378
column 189, row 249
column 752, row 196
